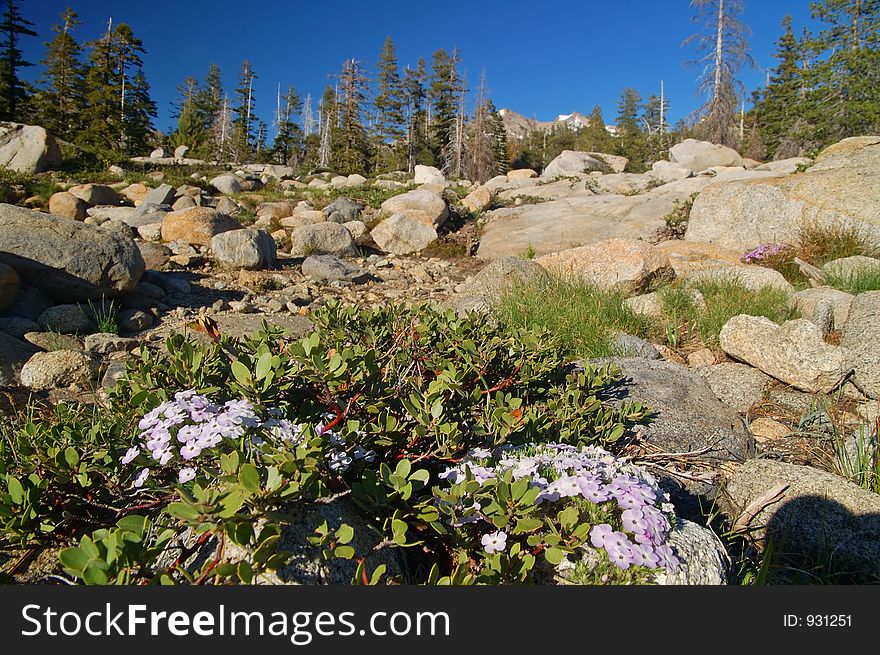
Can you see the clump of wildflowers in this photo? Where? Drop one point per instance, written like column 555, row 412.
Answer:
column 635, row 515
column 177, row 433
column 767, row 251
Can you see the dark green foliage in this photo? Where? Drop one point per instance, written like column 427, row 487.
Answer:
column 13, row 92
column 389, row 104
column 59, row 102
column 595, row 137
column 244, row 122
column 631, row 140
column 351, row 148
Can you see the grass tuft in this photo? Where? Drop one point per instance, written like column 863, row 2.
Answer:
column 581, row 316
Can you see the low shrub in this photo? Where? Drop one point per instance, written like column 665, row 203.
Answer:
column 202, row 445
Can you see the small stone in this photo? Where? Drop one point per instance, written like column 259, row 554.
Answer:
column 766, row 429
column 58, row 369
column 134, row 320
column 66, row 319
column 701, row 357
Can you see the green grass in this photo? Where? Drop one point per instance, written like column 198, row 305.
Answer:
column 581, row 316
column 724, row 300
column 106, row 317
column 856, row 281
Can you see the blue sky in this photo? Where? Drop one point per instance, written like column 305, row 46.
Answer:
column 541, row 58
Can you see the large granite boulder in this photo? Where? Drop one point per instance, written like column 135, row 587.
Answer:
column 28, row 148
column 197, row 225
column 840, row 189
column 68, row 259
column 793, row 352
column 701, row 155
column 861, row 335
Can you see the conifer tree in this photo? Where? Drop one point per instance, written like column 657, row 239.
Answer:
column 243, row 130
column 723, row 46
column 418, row 147
column 653, row 123
column 209, row 103
column 327, row 125
column 118, row 112
column 630, row 141
column 446, row 89
column 351, row 152
column 779, row 106
column 13, row 92
column 500, row 140
column 846, row 79
column 192, row 128
column 595, row 137
column 60, row 100
column 288, row 145
column 388, row 104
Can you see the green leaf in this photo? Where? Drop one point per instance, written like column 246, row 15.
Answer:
column 264, row 365
column 249, row 477
column 345, row 552
column 527, row 525
column 345, row 533
column 241, row 373
column 403, row 468
column 16, row 491
column 245, row 572
column 71, row 457
column 229, row 463
column 183, row 511
column 399, row 528
column 568, row 517
column 134, row 523
column 74, row 559
column 554, row 556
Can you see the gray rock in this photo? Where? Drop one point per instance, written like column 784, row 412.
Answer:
column 65, row 258
column 134, row 320
column 226, row 184
column 808, row 302
column 59, row 369
column 67, row 205
column 155, row 254
column 9, row 285
column 428, row 175
column 50, row 341
column 753, row 278
column 571, row 162
column 847, row 267
column 28, row 148
column 180, row 152
column 738, row 386
column 402, row 234
column 343, row 210
column 327, row 268
column 839, row 190
column 227, row 206
column 786, row 166
column 861, row 335
column 701, row 555
column 686, row 414
column 666, row 171
column 627, row 345
column 170, row 283
column 793, row 352
column 700, row 155
column 499, row 276
column 18, row 327
column 184, row 202
column 307, row 566
column 13, row 356
column 419, row 204
column 95, row 194
column 250, row 249
column 66, row 319
column 161, row 195
column 103, row 343
column 158, row 153
column 322, row 239
column 115, row 372
column 28, row 304
column 821, row 518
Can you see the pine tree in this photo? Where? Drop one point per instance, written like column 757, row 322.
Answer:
column 13, row 92
column 118, row 112
column 351, row 152
column 209, row 103
column 630, row 141
column 60, row 100
column 192, row 129
column 653, row 121
column 418, row 147
column 595, row 137
column 846, row 79
column 140, row 110
column 388, row 103
column 481, row 163
column 500, row 140
column 723, row 44
column 779, row 106
column 243, row 132
column 288, row 145
column 446, row 90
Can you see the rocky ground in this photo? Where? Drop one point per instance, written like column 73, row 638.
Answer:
column 746, row 424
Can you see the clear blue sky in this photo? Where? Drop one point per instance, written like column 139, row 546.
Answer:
column 541, row 58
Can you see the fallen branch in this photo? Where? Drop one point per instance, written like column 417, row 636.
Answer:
column 773, row 495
